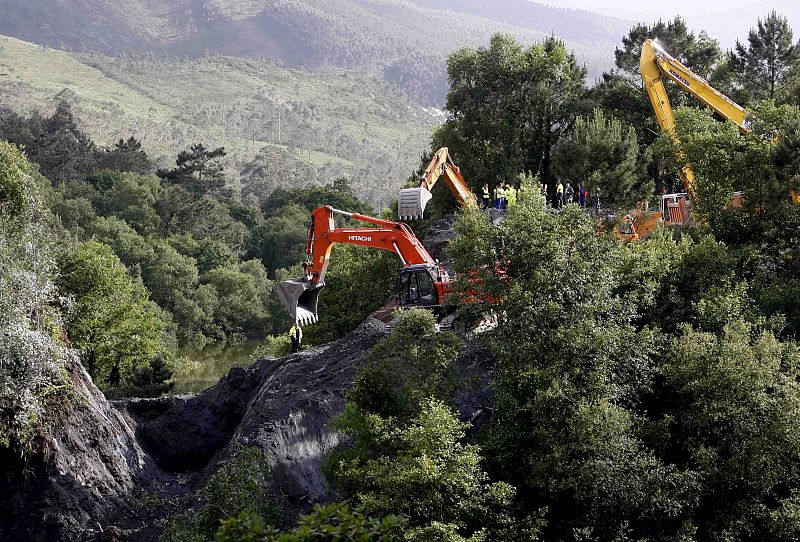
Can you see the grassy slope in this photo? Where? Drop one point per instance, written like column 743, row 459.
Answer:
column 335, row 121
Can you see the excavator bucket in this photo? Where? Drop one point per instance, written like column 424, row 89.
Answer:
column 300, row 297
column 411, row 203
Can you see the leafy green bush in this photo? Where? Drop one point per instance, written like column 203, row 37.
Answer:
column 423, row 471
column 326, row 523
column 111, row 322
column 240, row 488
column 276, row 346
column 413, row 363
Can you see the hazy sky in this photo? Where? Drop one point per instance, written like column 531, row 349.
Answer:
column 687, row 7
column 725, row 20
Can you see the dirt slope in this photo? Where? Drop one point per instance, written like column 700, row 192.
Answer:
column 113, row 471
column 109, row 461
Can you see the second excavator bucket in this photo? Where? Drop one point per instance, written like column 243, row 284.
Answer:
column 412, row 202
column 300, row 297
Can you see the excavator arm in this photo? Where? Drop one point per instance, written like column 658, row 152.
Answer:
column 300, row 296
column 656, row 64
column 412, row 201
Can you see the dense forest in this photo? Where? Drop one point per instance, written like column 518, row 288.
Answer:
column 155, row 259
column 642, row 391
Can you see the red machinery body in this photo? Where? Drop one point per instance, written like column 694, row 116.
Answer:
column 423, row 282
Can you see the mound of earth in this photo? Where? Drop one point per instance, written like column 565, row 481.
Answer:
column 113, row 469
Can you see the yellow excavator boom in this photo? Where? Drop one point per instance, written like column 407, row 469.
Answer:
column 656, row 64
column 411, row 202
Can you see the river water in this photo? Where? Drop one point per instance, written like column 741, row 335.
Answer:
column 206, row 366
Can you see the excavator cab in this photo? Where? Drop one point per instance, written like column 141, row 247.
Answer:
column 421, row 286
column 411, row 203
column 300, row 298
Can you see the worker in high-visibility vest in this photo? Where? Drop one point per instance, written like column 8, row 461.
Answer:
column 296, row 335
column 499, row 196
column 486, row 197
column 511, row 196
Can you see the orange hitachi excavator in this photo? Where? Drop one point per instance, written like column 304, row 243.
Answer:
column 411, row 202
column 423, row 282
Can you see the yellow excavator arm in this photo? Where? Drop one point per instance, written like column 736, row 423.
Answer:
column 656, row 64
column 411, row 202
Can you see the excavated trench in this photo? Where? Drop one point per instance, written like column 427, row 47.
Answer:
column 112, row 470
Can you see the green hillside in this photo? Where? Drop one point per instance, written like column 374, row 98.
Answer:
column 405, row 41
column 280, row 126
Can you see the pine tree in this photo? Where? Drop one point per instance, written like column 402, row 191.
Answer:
column 198, row 170
column 602, row 153
column 700, row 52
column 61, row 149
column 127, row 155
column 764, row 66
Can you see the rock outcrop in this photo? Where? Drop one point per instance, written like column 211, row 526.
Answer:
column 109, row 469
column 86, row 472
column 107, row 460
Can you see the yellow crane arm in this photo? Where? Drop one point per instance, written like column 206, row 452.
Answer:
column 656, row 64
column 443, row 166
column 412, row 201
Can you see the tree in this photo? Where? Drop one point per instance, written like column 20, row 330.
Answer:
column 241, row 298
column 601, row 153
column 281, row 240
column 508, row 106
column 169, row 275
column 339, row 195
column 182, row 212
column 424, row 472
column 127, row 155
column 700, row 53
column 764, row 67
column 198, row 170
column 572, row 370
column 111, row 322
column 724, row 161
column 61, row 149
column 34, row 388
column 129, row 196
column 731, row 409
column 411, row 365
column 621, row 91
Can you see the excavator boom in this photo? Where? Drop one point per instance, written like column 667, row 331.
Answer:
column 656, row 64
column 300, row 296
column 411, row 202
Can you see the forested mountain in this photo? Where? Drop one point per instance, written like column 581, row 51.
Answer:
column 279, row 126
column 409, row 40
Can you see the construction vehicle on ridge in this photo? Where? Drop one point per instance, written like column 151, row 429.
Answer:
column 411, row 202
column 655, row 65
column 423, row 282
